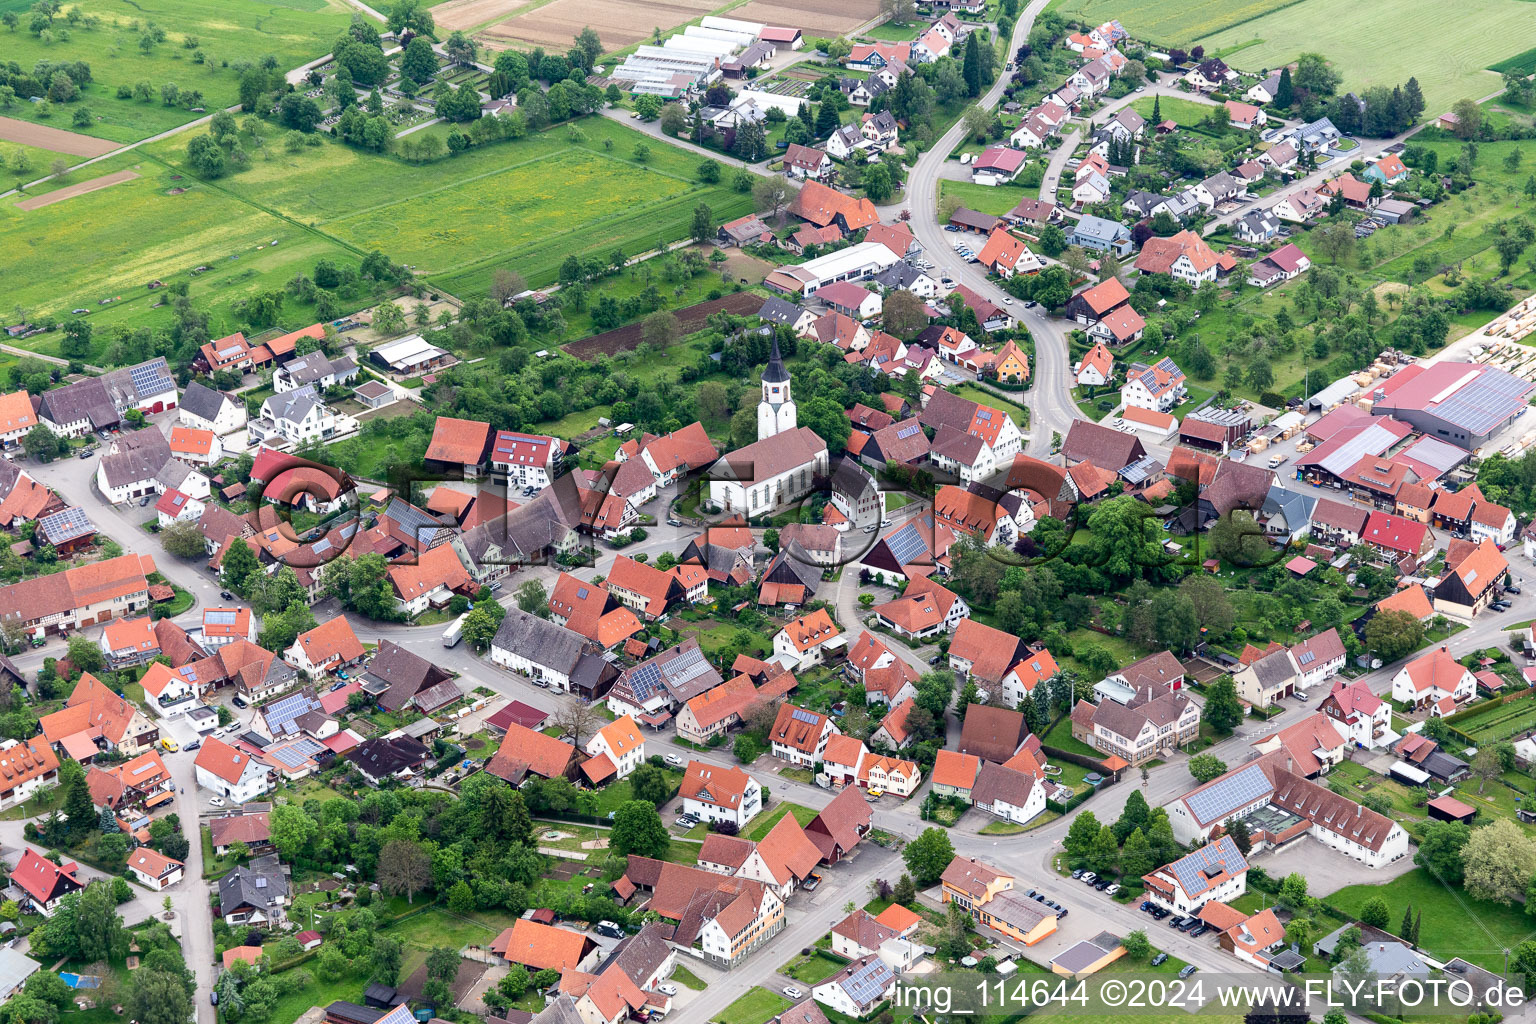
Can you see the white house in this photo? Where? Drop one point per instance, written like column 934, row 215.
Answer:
column 230, row 773
column 203, row 408
column 1431, row 678
column 1012, row 795
column 297, row 416
column 1364, row 718
column 1093, row 188
column 621, row 743
column 1216, row 871
column 858, row 988
column 800, row 736
column 1318, row 659
column 154, row 869
column 712, row 793
column 1159, row 387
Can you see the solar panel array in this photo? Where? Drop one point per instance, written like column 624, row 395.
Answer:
column 220, row 617
column 1192, row 871
column 802, row 715
column 1239, row 789
column 1306, row 658
column 281, row 713
column 1481, row 404
column 906, row 544
column 289, row 756
column 908, row 431
column 65, row 525
column 151, row 378
column 867, row 984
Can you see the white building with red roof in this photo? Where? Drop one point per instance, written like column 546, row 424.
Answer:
column 1096, row 367
column 230, row 772
column 712, row 793
column 1430, row 678
column 154, row 869
column 44, row 882
column 620, row 743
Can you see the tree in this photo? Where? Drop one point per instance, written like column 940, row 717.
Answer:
column 1205, row 767
column 928, row 855
column 703, row 223
column 1053, row 241
column 1136, row 856
column 971, row 69
column 1081, row 834
column 899, row 12
column 1136, row 945
column 1222, row 709
column 411, row 15
column 1375, row 913
column 1441, row 848
column 419, row 61
column 460, row 48
column 42, row 444
column 1335, row 240
column 159, row 997
column 1485, row 766
column 1104, row 852
column 1499, row 862
column 293, row 829
column 1469, row 119
column 1293, row 891
column 481, row 624
column 205, row 156
column 84, row 654
column 649, row 783
column 1315, row 75
column 78, row 807
column 576, row 720
column 405, row 868
column 1132, row 817
column 1394, row 634
column 1285, row 91
column 532, row 598
column 386, row 957
column 638, row 829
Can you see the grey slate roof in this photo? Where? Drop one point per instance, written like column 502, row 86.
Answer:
column 780, row 311
column 82, row 400
column 261, row 885
column 293, row 405
column 203, row 401
column 539, row 640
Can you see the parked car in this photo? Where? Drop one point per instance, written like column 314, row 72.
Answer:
column 673, row 759
column 1188, row 970
column 1077, row 872
column 216, row 801
column 1113, row 888
column 239, row 701
column 1148, row 906
column 812, row 880
column 793, row 992
column 667, row 988
column 1061, row 912
column 226, row 595
column 1102, row 884
column 1089, row 877
column 193, row 745
column 1160, row 959
column 1177, row 922
column 1511, row 590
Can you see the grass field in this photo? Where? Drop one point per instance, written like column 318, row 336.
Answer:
column 226, row 32
column 523, row 205
column 1185, row 112
column 510, row 206
column 761, row 825
column 1458, row 925
column 113, row 243
column 1169, row 22
column 1449, row 56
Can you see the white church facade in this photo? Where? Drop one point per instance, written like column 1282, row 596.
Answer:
column 780, row 467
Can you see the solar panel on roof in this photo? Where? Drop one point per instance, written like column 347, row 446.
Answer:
column 1227, row 795
column 220, row 616
column 908, row 431
column 1306, row 658
column 984, row 414
column 801, row 715
column 1482, row 402
column 581, row 594
column 906, row 544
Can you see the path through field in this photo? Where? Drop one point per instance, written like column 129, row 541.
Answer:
column 58, row 195
column 56, row 139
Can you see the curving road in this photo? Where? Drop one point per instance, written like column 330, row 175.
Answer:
column 1050, row 397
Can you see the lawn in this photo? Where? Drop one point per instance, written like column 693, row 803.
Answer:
column 987, row 199
column 1496, row 722
column 758, row 1006
column 1447, row 55
column 814, row 968
column 972, row 393
column 1186, row 112
column 683, row 976
column 761, row 825
column 287, row 1008
column 1458, row 924
column 226, row 33
column 1060, row 736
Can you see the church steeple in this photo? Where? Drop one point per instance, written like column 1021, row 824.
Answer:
column 776, row 411
column 775, row 371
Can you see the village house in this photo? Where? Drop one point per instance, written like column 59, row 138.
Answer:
column 711, row 793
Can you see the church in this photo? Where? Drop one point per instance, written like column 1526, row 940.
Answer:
column 777, row 469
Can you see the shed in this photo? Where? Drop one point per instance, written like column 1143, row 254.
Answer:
column 1448, row 808
column 1405, row 772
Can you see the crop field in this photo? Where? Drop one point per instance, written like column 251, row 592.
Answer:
column 1525, row 63
column 618, row 23
column 1449, row 56
column 813, row 17
column 226, row 31
column 1172, row 22
column 111, row 243
column 690, row 319
column 59, row 195
column 42, row 136
column 464, row 15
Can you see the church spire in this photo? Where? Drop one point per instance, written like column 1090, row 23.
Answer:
column 774, row 372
